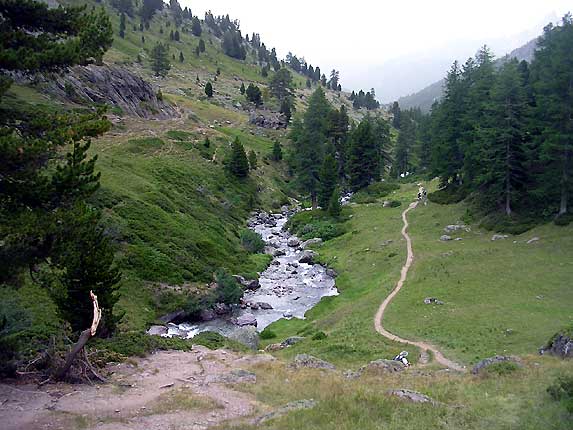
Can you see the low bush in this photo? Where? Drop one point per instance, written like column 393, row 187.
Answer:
column 267, row 334
column 512, row 225
column 317, row 223
column 228, row 289
column 563, row 220
column 562, row 391
column 374, row 191
column 448, row 195
column 502, row 368
column 319, row 336
column 252, row 241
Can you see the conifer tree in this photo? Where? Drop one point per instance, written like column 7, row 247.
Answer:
column 196, row 27
column 328, row 177
column 254, row 95
column 238, row 164
column 209, row 89
column 122, row 25
column 277, row 154
column 253, row 160
column 181, row 57
column 159, row 60
column 201, row 45
column 334, row 206
column 242, row 89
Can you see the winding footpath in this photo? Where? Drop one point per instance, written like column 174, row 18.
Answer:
column 424, row 347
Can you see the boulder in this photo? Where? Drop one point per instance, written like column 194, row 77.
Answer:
column 174, row 317
column 264, row 306
column 157, row 330
column 235, row 376
column 411, row 396
column 289, row 407
column 383, row 366
column 307, row 257
column 499, row 237
column 278, row 253
column 291, row 341
column 387, row 204
column 268, row 119
column 432, row 300
column 274, row 347
column 485, row 363
column 252, row 284
column 315, row 241
column 332, row 273
column 246, row 319
column 221, row 308
column 445, row 238
column 293, row 242
column 247, row 336
column 207, row 314
column 453, row 228
column 560, row 345
column 533, row 240
column 308, row 361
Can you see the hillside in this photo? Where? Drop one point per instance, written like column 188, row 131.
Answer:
column 427, row 96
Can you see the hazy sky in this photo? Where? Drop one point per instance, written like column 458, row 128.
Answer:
column 369, row 41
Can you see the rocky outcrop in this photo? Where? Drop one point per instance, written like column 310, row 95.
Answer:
column 310, row 362
column 247, row 336
column 246, row 319
column 174, row 317
column 561, row 345
column 268, row 119
column 307, row 257
column 445, row 238
column 382, row 366
column 499, row 237
column 110, row 85
column 289, row 407
column 157, row 330
column 485, row 363
column 411, row 396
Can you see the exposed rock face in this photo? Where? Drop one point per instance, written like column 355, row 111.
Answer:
column 114, row 86
column 533, row 240
column 384, row 366
column 499, row 237
column 308, row 361
column 247, row 336
column 174, row 317
column 247, row 319
column 492, row 360
column 268, row 119
column 307, row 257
column 289, row 407
column 411, row 396
column 249, row 284
column 561, row 345
column 157, row 330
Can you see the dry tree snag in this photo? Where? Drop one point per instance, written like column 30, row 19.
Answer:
column 84, row 337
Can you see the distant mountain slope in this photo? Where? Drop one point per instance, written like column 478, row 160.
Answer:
column 427, row 96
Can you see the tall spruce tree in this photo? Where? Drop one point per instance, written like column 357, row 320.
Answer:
column 238, row 164
column 160, row 60
column 552, row 80
column 328, row 177
column 364, row 159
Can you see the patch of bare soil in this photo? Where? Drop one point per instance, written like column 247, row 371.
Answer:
column 167, row 390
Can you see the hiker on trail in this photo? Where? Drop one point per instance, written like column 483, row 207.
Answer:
column 402, row 358
column 422, row 195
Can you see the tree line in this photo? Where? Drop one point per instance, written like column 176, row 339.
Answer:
column 505, row 135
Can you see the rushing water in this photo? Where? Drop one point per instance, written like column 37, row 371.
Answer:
column 290, row 288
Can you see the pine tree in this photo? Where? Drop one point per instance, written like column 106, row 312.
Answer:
column 242, row 89
column 277, row 154
column 201, row 45
column 181, row 57
column 552, row 76
column 334, row 206
column 207, row 142
column 238, row 164
column 403, row 160
column 253, row 160
column 366, row 152
column 196, row 27
column 396, row 115
column 159, row 60
column 308, row 83
column 176, row 36
column 504, row 174
column 328, row 176
column 122, row 25
column 254, row 95
column 209, row 89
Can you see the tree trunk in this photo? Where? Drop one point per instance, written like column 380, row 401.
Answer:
column 84, row 337
column 314, row 200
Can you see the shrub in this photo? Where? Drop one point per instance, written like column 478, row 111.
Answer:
column 252, row 241
column 374, row 191
column 228, row 289
column 395, row 203
column 503, row 368
column 319, row 335
column 562, row 390
column 563, row 220
column 267, row 334
column 448, row 195
column 311, row 224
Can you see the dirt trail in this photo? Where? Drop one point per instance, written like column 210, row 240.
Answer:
column 425, row 347
column 166, row 390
